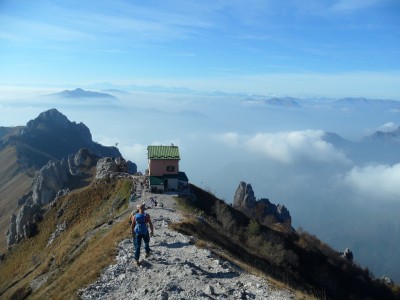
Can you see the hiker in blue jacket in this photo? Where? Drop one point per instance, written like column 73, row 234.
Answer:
column 140, row 231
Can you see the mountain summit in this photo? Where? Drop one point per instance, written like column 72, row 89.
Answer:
column 52, row 136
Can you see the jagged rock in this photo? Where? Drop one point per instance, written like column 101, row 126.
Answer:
column 48, row 185
column 11, row 233
column 48, row 181
column 283, row 213
column 19, row 226
column 84, row 158
column 262, row 210
column 244, row 197
column 107, row 167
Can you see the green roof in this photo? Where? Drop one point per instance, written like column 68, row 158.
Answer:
column 163, row 152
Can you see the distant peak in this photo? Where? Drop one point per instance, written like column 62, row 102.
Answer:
column 51, row 116
column 81, row 93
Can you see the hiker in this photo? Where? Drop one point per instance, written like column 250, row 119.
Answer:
column 140, row 231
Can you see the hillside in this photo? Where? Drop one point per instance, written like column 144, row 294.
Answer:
column 83, row 232
column 76, row 236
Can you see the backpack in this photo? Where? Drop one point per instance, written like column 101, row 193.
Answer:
column 141, row 227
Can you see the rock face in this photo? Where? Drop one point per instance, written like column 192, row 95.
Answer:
column 261, row 210
column 50, row 183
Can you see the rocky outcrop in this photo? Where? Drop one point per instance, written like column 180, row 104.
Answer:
column 84, row 158
column 108, row 167
column 261, row 210
column 244, row 197
column 48, row 181
column 23, row 224
column 49, row 184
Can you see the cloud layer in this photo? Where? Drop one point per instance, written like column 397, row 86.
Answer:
column 378, row 182
column 288, row 147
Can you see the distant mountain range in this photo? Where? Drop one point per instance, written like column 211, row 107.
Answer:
column 387, row 144
column 353, row 103
column 80, row 93
column 275, row 101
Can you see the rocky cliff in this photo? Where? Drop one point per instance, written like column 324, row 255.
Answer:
column 54, row 180
column 261, row 210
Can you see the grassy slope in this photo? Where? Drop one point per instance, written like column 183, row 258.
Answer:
column 13, row 185
column 77, row 255
column 299, row 260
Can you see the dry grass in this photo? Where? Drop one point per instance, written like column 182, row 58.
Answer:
column 85, row 247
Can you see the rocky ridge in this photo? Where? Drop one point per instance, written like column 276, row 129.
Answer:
column 50, row 183
column 262, row 210
column 177, row 269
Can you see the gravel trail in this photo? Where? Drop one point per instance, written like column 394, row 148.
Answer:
column 176, row 269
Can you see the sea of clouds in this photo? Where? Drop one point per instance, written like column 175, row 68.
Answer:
column 345, row 199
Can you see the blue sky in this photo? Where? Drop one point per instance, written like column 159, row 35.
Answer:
column 302, row 47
